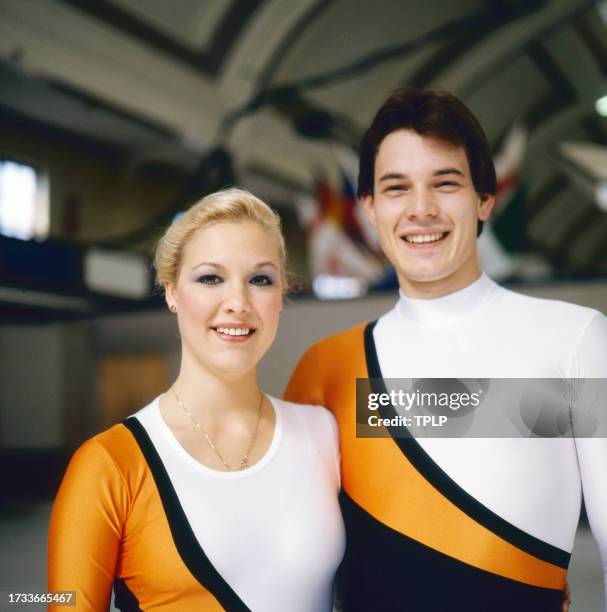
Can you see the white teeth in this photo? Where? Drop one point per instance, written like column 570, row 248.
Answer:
column 234, row 331
column 421, row 238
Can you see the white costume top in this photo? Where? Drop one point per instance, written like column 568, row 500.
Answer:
column 273, row 531
column 486, row 331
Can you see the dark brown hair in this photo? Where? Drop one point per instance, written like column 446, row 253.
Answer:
column 435, row 114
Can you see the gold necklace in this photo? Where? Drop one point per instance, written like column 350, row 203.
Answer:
column 245, row 460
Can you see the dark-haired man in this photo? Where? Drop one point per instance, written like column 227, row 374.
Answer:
column 453, row 524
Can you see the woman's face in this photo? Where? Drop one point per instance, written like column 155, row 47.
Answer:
column 228, row 297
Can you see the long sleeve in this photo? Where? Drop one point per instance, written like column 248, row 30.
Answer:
column 590, row 361
column 86, row 528
column 592, row 455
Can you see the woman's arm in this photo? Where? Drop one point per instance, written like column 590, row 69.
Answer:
column 86, row 528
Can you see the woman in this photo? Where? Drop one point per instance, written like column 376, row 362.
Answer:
column 215, row 496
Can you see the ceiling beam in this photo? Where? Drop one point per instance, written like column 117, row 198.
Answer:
column 209, row 60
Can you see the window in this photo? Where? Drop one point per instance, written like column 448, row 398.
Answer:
column 24, row 201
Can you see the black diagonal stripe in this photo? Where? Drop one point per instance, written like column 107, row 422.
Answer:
column 186, row 543
column 440, row 480
column 124, row 599
column 384, row 571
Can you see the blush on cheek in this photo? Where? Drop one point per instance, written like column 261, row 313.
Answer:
column 274, row 303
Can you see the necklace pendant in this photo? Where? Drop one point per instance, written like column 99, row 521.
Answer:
column 205, row 435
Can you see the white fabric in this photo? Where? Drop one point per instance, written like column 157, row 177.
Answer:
column 273, row 531
column 486, row 331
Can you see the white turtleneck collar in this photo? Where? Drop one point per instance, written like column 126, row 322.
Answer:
column 448, row 308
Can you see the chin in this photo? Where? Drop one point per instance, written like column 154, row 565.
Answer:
column 233, row 371
column 425, row 275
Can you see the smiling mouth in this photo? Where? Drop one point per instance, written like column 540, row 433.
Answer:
column 234, row 332
column 424, row 239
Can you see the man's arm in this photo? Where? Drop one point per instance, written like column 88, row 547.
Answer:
column 590, row 362
column 592, row 457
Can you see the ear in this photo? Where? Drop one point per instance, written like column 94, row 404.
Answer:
column 485, row 206
column 170, row 296
column 367, row 202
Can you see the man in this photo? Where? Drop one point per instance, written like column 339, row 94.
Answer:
column 453, row 524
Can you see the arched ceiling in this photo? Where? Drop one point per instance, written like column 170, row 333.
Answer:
column 160, row 81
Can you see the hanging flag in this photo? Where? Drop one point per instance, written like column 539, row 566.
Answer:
column 343, row 251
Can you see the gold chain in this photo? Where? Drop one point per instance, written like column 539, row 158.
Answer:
column 245, row 460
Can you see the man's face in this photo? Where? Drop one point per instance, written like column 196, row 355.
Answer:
column 425, row 209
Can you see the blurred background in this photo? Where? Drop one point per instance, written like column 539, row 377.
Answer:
column 115, row 115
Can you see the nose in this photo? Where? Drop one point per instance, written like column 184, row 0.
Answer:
column 237, row 299
column 421, row 204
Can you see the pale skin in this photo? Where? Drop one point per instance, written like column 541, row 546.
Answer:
column 230, row 278
column 423, row 187
column 425, row 209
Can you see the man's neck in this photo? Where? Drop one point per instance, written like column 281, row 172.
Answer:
column 430, row 290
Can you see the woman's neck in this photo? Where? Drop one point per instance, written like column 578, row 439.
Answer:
column 211, row 396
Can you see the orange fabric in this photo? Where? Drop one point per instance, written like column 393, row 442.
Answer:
column 379, row 477
column 108, row 522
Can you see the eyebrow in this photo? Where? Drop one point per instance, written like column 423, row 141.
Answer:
column 444, row 171
column 264, row 264
column 218, row 266
column 210, row 264
column 399, row 175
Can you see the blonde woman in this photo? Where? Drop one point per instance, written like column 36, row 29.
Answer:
column 215, row 496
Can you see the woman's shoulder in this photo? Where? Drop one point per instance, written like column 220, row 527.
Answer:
column 114, row 449
column 118, row 441
column 320, row 428
column 318, row 422
column 113, row 439
column 314, row 414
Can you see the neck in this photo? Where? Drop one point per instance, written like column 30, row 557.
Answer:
column 205, row 393
column 432, row 289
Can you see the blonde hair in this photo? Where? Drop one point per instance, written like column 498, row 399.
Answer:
column 231, row 204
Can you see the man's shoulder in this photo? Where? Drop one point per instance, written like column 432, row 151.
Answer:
column 343, row 340
column 330, row 355
column 546, row 310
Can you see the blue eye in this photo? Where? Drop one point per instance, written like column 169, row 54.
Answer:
column 209, row 279
column 262, row 280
